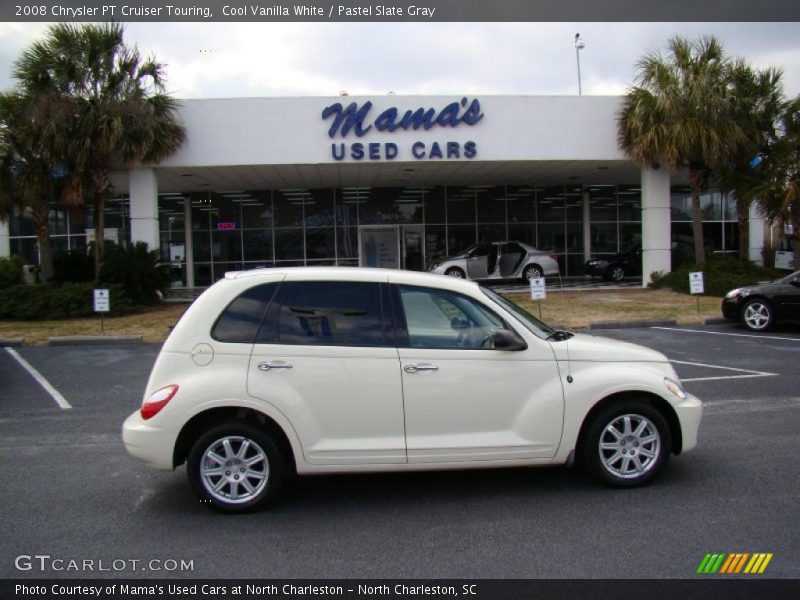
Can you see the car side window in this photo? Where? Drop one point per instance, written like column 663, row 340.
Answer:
column 330, row 313
column 442, row 319
column 240, row 320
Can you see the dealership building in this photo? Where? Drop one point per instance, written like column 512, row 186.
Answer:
column 314, row 180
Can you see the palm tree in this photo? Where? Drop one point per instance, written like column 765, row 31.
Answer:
column 101, row 106
column 26, row 180
column 678, row 114
column 757, row 103
column 778, row 192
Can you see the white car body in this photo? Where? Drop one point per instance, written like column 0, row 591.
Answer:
column 347, row 409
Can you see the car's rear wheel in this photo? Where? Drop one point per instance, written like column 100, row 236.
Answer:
column 627, row 444
column 531, row 272
column 235, row 467
column 616, row 273
column 757, row 315
column 455, row 272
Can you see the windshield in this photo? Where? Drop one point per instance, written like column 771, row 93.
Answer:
column 788, row 279
column 531, row 323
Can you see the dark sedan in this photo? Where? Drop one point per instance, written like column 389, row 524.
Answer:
column 760, row 306
column 617, row 267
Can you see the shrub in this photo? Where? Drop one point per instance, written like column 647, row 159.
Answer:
column 720, row 275
column 53, row 301
column 137, row 270
column 73, row 266
column 10, row 271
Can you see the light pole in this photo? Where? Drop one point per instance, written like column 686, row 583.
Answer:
column 579, row 45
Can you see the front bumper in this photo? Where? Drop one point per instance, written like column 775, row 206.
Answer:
column 731, row 308
column 153, row 445
column 595, row 270
column 690, row 413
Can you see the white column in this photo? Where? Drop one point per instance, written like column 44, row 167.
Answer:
column 587, row 228
column 5, row 241
column 143, row 188
column 757, row 226
column 656, row 246
column 188, row 242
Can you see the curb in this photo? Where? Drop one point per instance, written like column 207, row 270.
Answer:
column 632, row 324
column 89, row 340
column 716, row 321
column 12, row 342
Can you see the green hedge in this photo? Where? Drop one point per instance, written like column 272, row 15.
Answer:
column 10, row 271
column 50, row 301
column 720, row 275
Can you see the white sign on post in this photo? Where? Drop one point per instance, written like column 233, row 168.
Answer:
column 102, row 301
column 696, row 282
column 537, row 289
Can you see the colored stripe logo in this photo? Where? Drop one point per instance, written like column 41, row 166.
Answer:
column 734, row 563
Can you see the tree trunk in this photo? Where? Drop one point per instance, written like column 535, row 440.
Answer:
column 695, row 179
column 42, row 225
column 743, row 214
column 99, row 232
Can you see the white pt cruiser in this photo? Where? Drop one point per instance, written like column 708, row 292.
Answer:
column 329, row 370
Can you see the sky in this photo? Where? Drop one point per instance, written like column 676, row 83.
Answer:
column 223, row 60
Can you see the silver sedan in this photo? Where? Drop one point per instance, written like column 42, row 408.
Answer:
column 498, row 260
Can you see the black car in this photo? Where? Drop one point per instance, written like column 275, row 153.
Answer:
column 760, row 306
column 617, row 267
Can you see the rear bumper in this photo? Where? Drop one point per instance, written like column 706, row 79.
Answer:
column 153, row 445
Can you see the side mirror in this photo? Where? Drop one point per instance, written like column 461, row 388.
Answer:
column 503, row 339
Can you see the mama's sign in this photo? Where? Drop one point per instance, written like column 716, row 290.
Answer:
column 357, row 119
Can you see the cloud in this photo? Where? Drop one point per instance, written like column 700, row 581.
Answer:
column 296, row 59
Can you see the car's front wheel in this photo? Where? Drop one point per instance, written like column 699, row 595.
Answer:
column 235, row 467
column 627, row 444
column 757, row 315
column 455, row 272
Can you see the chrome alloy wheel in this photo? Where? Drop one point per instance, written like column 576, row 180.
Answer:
column 629, row 446
column 756, row 315
column 617, row 274
column 234, row 469
column 455, row 273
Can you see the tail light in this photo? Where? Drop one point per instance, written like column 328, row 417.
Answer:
column 153, row 404
column 554, row 257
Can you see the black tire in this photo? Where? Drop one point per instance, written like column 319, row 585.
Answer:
column 758, row 315
column 456, row 273
column 269, row 463
column 614, row 273
column 618, row 466
column 531, row 272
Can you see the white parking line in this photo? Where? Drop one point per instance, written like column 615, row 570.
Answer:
column 760, row 337
column 749, row 373
column 54, row 393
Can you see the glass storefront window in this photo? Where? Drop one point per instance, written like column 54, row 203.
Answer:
column 257, row 245
column 491, row 204
column 521, row 200
column 551, row 236
column 459, row 238
column 603, row 237
column 602, row 204
column 491, row 233
column 573, row 204
column 434, row 205
column 630, row 236
column 461, row 205
column 320, row 243
column 289, row 244
column 550, row 204
column 630, row 203
column 288, row 207
column 525, row 233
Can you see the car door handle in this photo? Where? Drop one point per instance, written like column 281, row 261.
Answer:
column 274, row 364
column 413, row 368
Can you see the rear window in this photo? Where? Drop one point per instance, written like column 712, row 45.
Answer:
column 240, row 320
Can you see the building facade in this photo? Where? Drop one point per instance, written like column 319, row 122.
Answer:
column 304, row 181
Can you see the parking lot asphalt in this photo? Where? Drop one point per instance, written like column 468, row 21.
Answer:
column 71, row 491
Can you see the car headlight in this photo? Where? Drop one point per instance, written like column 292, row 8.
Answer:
column 675, row 388
column 733, row 294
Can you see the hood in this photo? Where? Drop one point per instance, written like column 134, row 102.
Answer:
column 584, row 347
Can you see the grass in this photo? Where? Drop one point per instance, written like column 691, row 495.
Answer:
column 570, row 309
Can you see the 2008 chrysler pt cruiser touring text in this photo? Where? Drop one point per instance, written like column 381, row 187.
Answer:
column 331, row 370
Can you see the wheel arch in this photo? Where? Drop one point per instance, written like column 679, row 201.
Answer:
column 656, row 401
column 202, row 421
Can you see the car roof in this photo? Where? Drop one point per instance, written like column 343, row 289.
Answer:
column 366, row 274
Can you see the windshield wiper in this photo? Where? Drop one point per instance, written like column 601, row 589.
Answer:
column 559, row 336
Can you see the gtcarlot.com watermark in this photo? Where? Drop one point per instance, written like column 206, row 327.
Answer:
column 48, row 563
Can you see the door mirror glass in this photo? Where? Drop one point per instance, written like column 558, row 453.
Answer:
column 504, row 339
